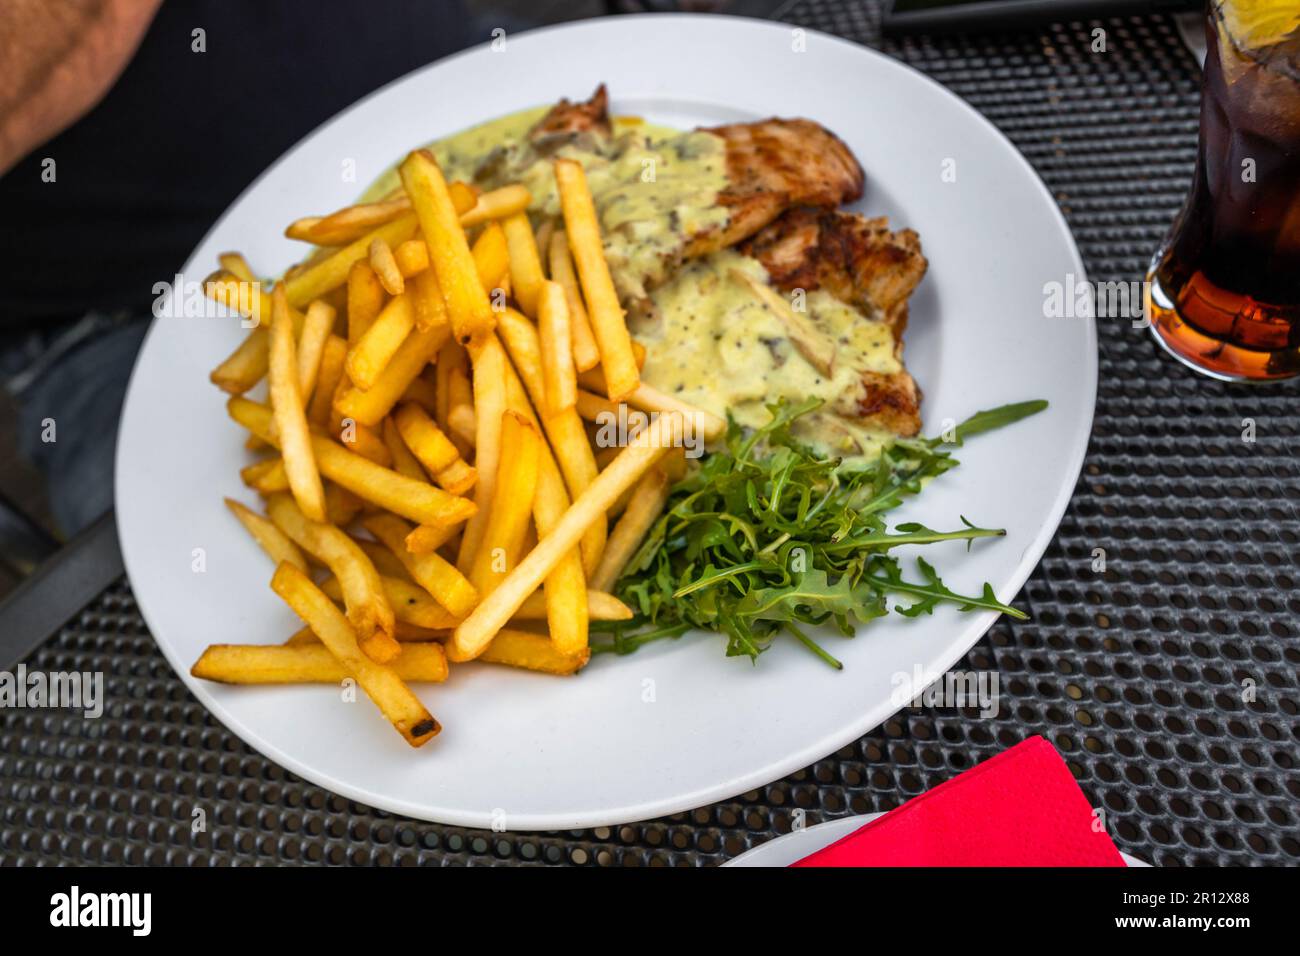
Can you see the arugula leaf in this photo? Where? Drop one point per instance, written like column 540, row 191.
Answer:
column 765, row 537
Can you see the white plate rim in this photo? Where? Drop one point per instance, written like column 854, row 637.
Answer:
column 758, row 776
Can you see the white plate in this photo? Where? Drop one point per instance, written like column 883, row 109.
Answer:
column 676, row 725
column 797, row 844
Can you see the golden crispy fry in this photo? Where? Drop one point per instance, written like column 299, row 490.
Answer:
column 385, row 563
column 404, row 463
column 430, row 307
column 245, row 366
column 489, row 404
column 278, row 546
column 565, row 590
column 592, row 407
column 542, row 243
column 439, row 577
column 341, row 505
column 559, row 377
column 425, row 538
column 533, row 652
column 396, row 493
column 642, row 511
column 317, row 325
column 477, row 631
column 376, row 348
column 434, row 450
column 290, row 418
column 567, row 435
column 649, row 399
column 497, row 204
column 412, row 257
column 449, row 254
column 412, row 604
column 603, row 310
column 585, row 353
column 385, row 266
column 266, row 477
column 525, row 265
column 348, row 224
column 365, row 296
column 402, row 708
column 306, row 664
column 332, row 359
column 237, row 265
column 363, row 592
column 601, row 606
column 365, row 442
column 491, row 256
column 512, row 503
column 369, row 406
column 332, row 271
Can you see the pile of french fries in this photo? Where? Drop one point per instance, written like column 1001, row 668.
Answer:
column 432, row 486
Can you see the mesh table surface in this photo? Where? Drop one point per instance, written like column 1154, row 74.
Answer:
column 1135, row 674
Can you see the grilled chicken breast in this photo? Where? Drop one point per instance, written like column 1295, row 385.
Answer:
column 863, row 264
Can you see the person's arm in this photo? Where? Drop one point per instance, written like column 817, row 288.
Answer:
column 57, row 60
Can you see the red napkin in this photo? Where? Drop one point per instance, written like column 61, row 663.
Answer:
column 1020, row 808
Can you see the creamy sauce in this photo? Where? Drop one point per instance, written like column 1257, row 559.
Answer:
column 709, row 339
column 653, row 187
column 715, row 344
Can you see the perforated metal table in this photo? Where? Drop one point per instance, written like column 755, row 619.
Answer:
column 1169, row 681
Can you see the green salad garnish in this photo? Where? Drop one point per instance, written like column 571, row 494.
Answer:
column 767, row 538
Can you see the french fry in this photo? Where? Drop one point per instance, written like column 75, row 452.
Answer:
column 426, row 297
column 369, row 406
column 585, row 353
column 512, row 503
column 594, row 408
column 385, row 563
column 603, row 310
column 317, row 325
column 363, row 593
column 404, row 463
column 376, row 348
column 474, row 633
column 811, row 343
column 526, row 276
column 489, row 361
column 567, row 435
column 642, row 511
column 353, row 222
column 278, row 546
column 649, row 399
column 425, row 538
column 491, row 256
column 365, row 299
column 412, row 257
column 290, row 418
column 542, row 243
column 415, row 500
column 439, row 577
column 532, row 652
column 412, row 604
column 434, row 450
column 266, row 477
column 333, row 356
column 245, row 366
column 565, row 589
column 449, row 254
column 307, row 664
column 332, row 271
column 381, row 683
column 385, row 266
column 365, row 442
column 559, row 378
column 601, row 606
column 341, row 505
column 497, row 204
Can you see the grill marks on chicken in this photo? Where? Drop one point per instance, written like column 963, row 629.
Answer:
column 865, row 265
column 772, row 165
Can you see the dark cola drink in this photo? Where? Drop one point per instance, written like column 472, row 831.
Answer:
column 1224, row 289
